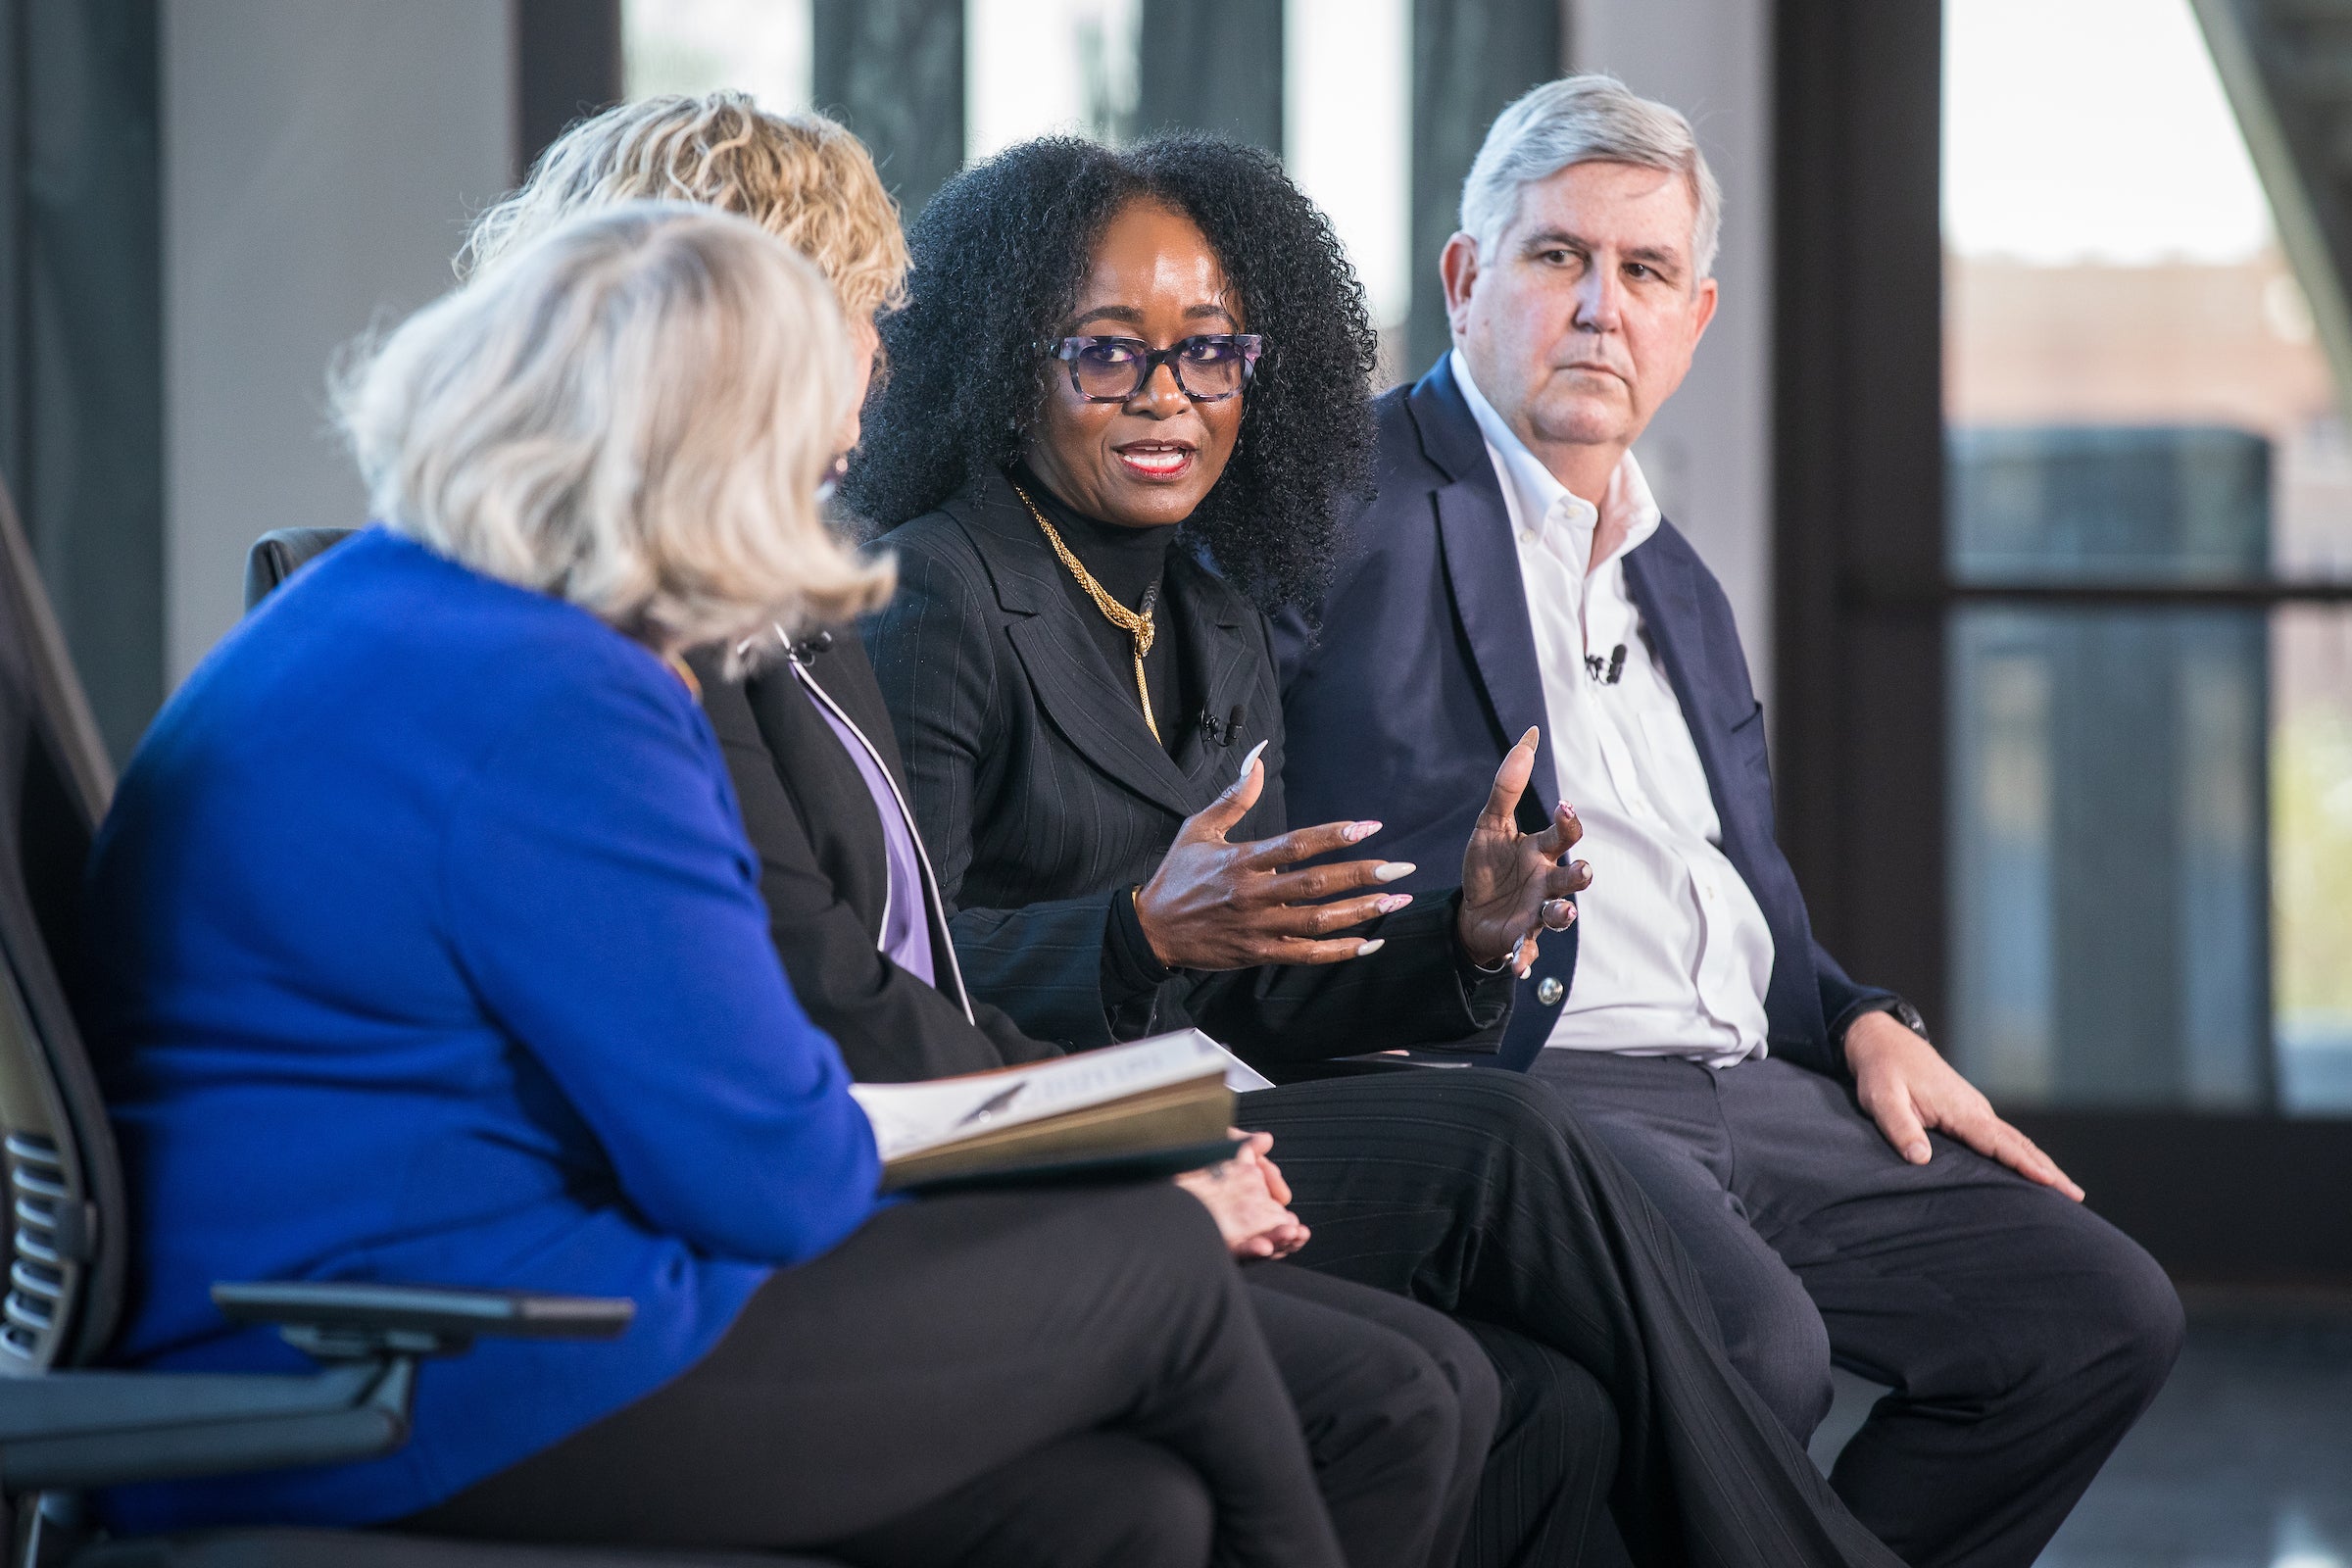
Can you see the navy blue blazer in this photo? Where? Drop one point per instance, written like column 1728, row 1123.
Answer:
column 1400, row 705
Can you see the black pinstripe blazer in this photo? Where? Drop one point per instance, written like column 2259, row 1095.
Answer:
column 1042, row 794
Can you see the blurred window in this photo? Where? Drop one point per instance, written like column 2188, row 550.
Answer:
column 1037, row 68
column 692, row 46
column 1347, row 137
column 2150, row 804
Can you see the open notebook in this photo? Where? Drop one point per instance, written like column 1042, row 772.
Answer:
column 1152, row 1097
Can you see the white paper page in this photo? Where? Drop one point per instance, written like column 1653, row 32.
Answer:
column 1239, row 1076
column 909, row 1118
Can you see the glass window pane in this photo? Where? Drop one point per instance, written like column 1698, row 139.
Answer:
column 1346, row 140
column 2150, row 829
column 1039, row 68
column 762, row 47
column 2150, row 854
column 2108, row 855
column 2111, row 266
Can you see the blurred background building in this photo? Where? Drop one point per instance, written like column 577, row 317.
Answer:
column 2019, row 444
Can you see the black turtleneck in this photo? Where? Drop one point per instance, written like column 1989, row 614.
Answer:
column 1127, row 562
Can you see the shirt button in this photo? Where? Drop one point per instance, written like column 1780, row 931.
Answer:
column 1550, row 991
column 1527, row 536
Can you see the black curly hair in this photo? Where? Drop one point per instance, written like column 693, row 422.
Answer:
column 1000, row 254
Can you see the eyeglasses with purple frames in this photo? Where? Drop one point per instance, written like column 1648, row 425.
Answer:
column 1208, row 367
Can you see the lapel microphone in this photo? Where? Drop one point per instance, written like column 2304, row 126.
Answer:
column 1607, row 675
column 1227, row 733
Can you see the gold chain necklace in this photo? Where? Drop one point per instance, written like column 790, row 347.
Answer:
column 1135, row 625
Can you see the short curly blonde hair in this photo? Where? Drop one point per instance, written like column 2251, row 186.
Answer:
column 803, row 178
column 631, row 412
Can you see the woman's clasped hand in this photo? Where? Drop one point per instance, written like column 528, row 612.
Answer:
column 1247, row 1197
column 1216, row 904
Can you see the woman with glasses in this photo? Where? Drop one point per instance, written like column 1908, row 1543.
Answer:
column 1127, row 397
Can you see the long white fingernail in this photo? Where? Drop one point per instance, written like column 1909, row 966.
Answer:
column 1249, row 760
column 1365, row 950
column 1394, row 871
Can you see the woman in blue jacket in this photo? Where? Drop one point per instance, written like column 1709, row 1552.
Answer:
column 427, row 947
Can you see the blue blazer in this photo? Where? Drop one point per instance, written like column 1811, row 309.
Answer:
column 1423, row 672
column 425, row 946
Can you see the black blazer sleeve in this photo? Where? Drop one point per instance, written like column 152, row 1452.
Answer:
column 1416, row 992
column 892, row 1027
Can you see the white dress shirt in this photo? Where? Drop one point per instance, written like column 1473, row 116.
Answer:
column 1673, row 953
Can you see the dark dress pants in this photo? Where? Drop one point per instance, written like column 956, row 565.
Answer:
column 1397, row 1404
column 2022, row 1333
column 1537, row 1436
column 1477, row 1192
column 1543, row 1496
column 1015, row 1380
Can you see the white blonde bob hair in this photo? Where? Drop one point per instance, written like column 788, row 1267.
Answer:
column 632, row 413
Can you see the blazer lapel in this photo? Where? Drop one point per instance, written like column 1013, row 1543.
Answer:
column 1482, row 569
column 1215, row 638
column 947, row 975
column 1099, row 715
column 1665, row 590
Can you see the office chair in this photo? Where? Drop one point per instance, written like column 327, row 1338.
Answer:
column 280, row 552
column 65, row 1430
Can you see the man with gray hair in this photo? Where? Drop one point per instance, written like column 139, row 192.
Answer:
column 1848, row 1196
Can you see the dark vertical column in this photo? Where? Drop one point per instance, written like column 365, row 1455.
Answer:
column 1214, row 66
column 1470, row 59
column 1859, row 481
column 13, row 414
column 567, row 63
column 82, row 354
column 893, row 72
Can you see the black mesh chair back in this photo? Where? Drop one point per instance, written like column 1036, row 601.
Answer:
column 280, row 552
column 69, row 1228
column 65, row 1185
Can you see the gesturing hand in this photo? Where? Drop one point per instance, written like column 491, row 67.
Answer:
column 1907, row 1086
column 1513, row 884
column 1212, row 905
column 1247, row 1194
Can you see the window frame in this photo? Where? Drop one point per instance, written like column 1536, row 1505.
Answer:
column 1863, row 595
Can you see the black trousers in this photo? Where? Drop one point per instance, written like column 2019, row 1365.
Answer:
column 1397, row 1404
column 1019, row 1380
column 1538, row 1435
column 1543, row 1496
column 1479, row 1193
column 2022, row 1333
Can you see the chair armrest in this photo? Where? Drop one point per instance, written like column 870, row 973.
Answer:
column 70, row 1430
column 361, row 1320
